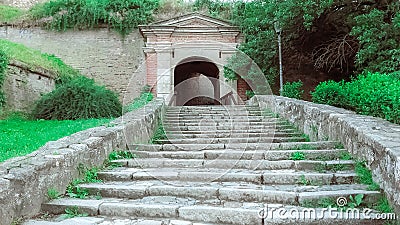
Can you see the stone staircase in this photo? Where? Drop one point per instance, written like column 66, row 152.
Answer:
column 219, row 165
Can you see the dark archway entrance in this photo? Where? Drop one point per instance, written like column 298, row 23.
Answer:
column 196, row 82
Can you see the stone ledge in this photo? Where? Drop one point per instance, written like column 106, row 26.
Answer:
column 37, row 70
column 368, row 138
column 24, row 181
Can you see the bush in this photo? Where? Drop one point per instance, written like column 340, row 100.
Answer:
column 293, row 90
column 122, row 15
column 79, row 98
column 330, row 93
column 371, row 94
column 375, row 95
column 3, row 67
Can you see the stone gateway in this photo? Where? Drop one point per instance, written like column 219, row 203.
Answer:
column 185, row 58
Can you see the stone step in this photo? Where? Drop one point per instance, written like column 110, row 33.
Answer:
column 253, row 131
column 189, row 210
column 103, row 220
column 228, row 124
column 281, row 194
column 260, row 122
column 232, row 154
column 222, row 109
column 208, row 140
column 231, row 175
column 178, row 135
column 218, row 117
column 231, row 128
column 220, row 112
column 312, row 165
column 266, row 146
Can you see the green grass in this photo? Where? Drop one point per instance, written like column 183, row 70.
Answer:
column 10, row 14
column 35, row 59
column 298, row 156
column 144, row 98
column 19, row 136
column 364, row 175
column 158, row 135
column 52, row 193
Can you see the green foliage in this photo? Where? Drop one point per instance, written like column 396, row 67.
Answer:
column 79, row 98
column 378, row 34
column 74, row 191
column 250, row 93
column 370, row 94
column 297, row 156
column 355, row 201
column 3, row 68
column 89, row 176
column 10, row 14
column 52, row 193
column 158, row 135
column 115, row 155
column 218, row 9
column 376, row 95
column 306, row 137
column 122, row 15
column 256, row 18
column 72, row 212
column 345, row 155
column 34, row 59
column 364, row 175
column 145, row 97
column 383, row 205
column 293, row 90
column 20, row 136
column 329, row 92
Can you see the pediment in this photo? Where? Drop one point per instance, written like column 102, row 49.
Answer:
column 193, row 20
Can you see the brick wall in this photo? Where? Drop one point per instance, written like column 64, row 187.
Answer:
column 241, row 89
column 151, row 78
column 99, row 53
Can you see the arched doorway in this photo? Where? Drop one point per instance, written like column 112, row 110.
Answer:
column 196, row 82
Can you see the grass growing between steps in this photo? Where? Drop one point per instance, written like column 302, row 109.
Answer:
column 158, row 135
column 90, row 175
column 364, row 176
column 116, row 155
column 19, row 136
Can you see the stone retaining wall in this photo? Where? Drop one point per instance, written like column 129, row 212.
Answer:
column 374, row 140
column 23, row 87
column 24, row 181
column 101, row 54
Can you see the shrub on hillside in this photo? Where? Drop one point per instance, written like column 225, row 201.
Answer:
column 79, row 98
column 122, row 15
column 371, row 94
column 293, row 90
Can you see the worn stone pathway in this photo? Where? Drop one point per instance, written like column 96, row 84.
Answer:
column 219, row 165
